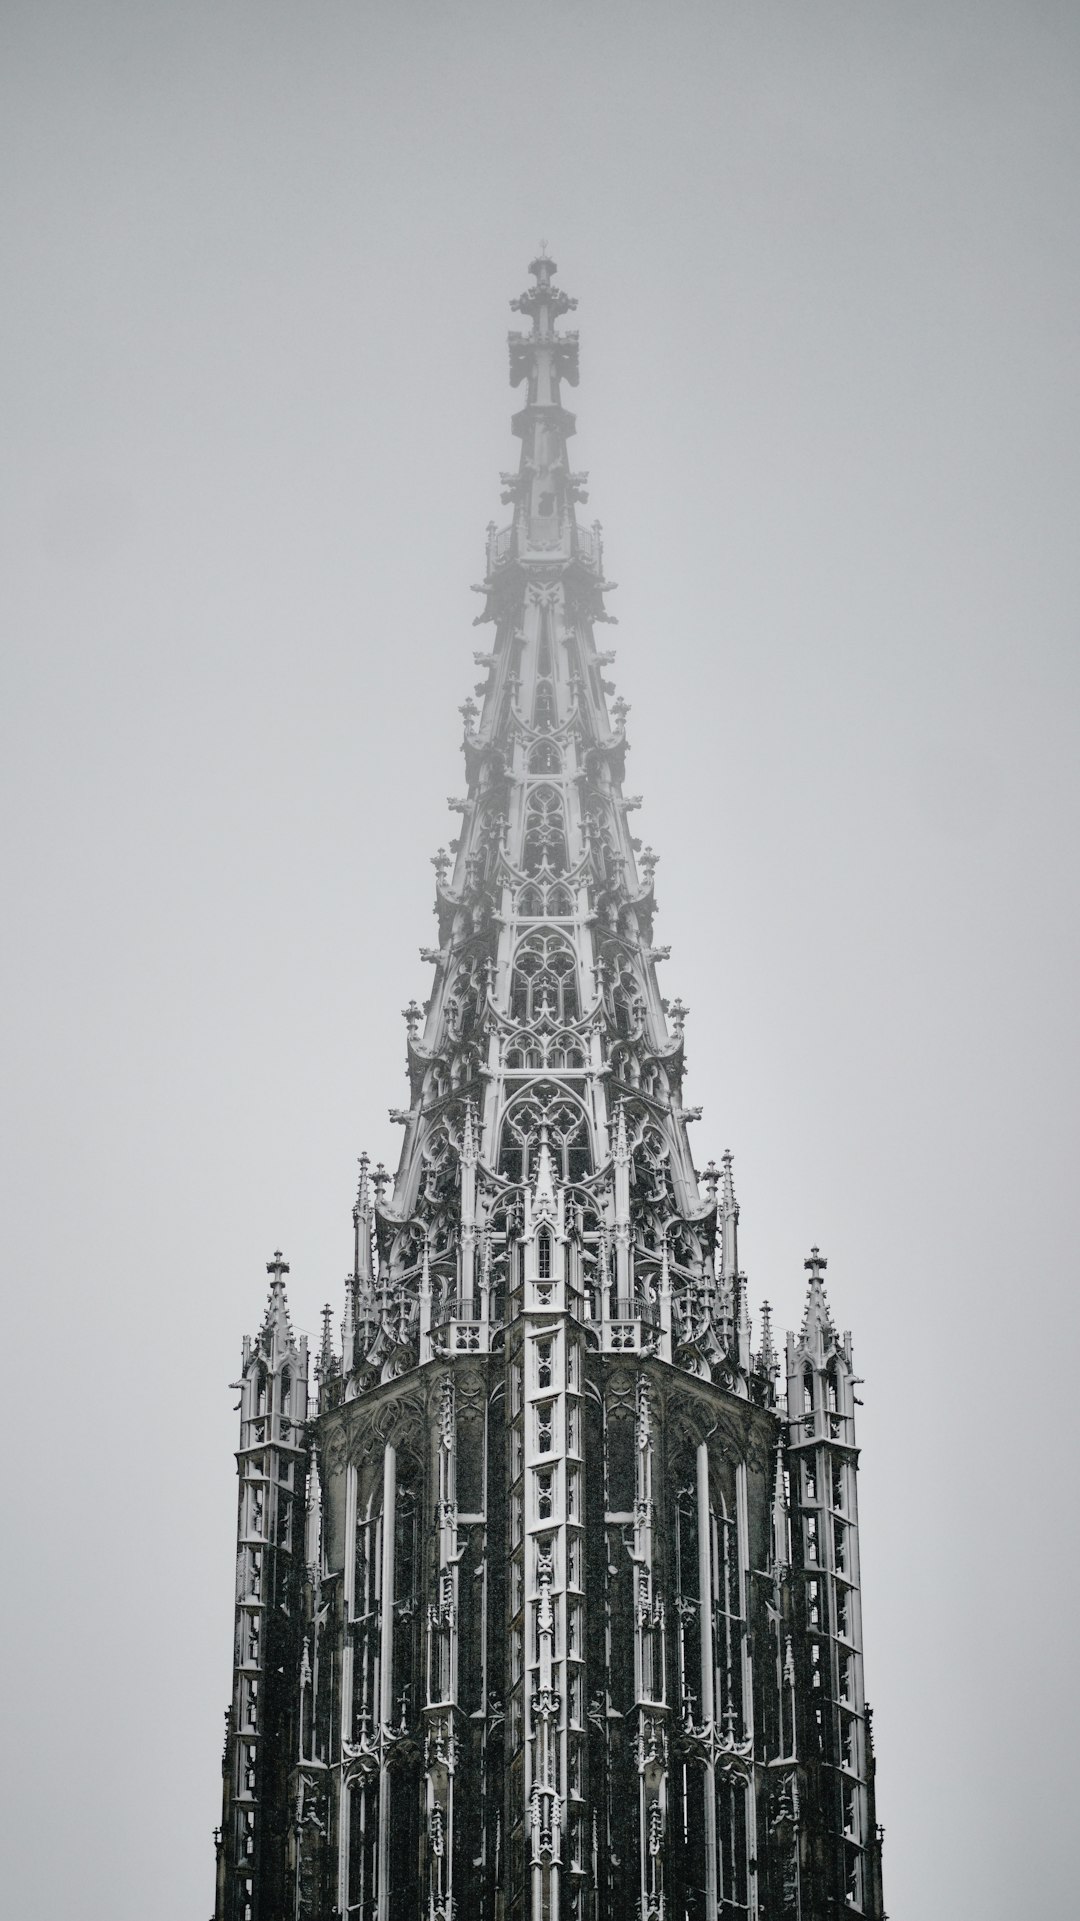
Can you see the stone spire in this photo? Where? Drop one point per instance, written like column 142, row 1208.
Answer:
column 545, row 1017
column 510, row 1639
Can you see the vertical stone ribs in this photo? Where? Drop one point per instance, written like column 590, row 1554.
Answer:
column 575, row 1631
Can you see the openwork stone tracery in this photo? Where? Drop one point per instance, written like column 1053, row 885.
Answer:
column 550, row 1610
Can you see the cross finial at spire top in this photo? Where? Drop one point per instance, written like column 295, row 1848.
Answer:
column 278, row 1266
column 815, row 1263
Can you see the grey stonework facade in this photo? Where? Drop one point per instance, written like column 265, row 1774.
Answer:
column 548, row 1601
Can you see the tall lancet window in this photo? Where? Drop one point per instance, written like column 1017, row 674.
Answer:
column 545, row 1104
column 545, row 828
column 544, row 980
column 545, row 758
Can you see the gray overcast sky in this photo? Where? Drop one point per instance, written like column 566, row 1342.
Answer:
column 258, row 259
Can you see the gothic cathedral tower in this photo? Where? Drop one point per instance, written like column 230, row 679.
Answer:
column 547, row 1602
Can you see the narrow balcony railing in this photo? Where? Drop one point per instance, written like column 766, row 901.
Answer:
column 455, row 1310
column 629, row 1308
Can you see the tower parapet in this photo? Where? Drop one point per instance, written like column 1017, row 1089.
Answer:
column 556, row 1659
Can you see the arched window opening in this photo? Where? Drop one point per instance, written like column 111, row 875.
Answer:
column 830, row 1388
column 545, row 1105
column 545, row 832
column 544, row 980
column 808, row 1391
column 545, row 901
column 543, row 1254
column 568, row 1056
column 261, row 1391
column 545, row 758
column 286, row 1391
column 544, row 707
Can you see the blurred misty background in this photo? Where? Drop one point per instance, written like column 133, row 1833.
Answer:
column 257, row 262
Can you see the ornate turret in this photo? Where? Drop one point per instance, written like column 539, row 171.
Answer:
column 272, row 1463
column 551, row 1643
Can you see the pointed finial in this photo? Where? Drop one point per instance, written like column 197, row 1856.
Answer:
column 276, row 1328
column 816, row 1316
column 767, row 1355
column 622, row 1148
column 326, row 1347
column 544, row 1182
column 363, row 1192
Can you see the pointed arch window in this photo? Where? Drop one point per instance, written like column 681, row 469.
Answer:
column 545, row 758
column 543, row 1254
column 545, row 979
column 544, row 706
column 545, row 1104
column 545, row 828
column 545, row 901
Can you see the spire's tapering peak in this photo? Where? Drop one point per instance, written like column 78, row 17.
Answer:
column 544, row 1190
column 276, row 1332
column 363, row 1187
column 362, row 1225
column 543, row 303
column 817, row 1320
column 327, row 1357
column 767, row 1356
column 727, row 1208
